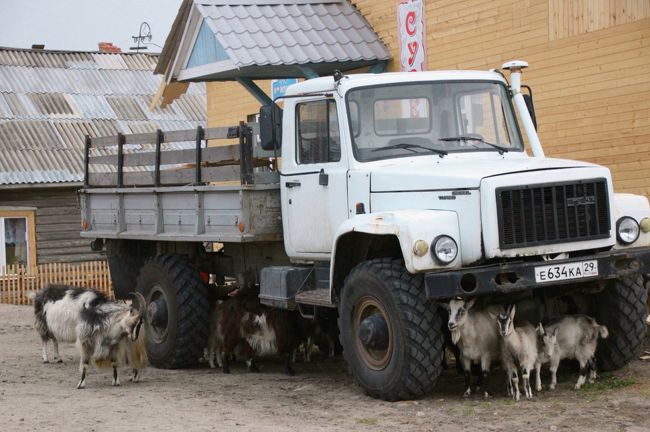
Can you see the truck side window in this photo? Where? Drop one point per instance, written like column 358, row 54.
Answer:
column 318, row 137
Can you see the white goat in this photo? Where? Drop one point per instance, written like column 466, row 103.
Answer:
column 546, row 345
column 475, row 334
column 518, row 349
column 576, row 338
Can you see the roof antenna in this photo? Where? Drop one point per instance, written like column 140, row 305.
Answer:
column 338, row 76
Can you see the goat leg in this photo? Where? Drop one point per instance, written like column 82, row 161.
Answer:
column 525, row 375
column 515, row 385
column 592, row 370
column 44, row 344
column 135, row 377
column 584, row 369
column 287, row 367
column 555, row 362
column 252, row 366
column 467, row 370
column 83, row 365
column 116, row 380
column 57, row 357
column 538, row 376
column 225, row 360
column 485, row 375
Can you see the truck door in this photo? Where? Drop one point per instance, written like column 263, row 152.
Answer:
column 314, row 186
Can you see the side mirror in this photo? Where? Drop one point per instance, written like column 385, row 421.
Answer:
column 528, row 98
column 270, row 127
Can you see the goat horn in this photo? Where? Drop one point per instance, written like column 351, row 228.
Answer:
column 142, row 303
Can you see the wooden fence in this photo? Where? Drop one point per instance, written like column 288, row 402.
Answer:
column 18, row 284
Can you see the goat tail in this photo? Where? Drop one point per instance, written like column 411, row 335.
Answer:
column 603, row 332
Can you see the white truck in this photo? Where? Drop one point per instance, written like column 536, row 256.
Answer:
column 371, row 197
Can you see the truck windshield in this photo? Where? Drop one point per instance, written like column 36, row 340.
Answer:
column 431, row 118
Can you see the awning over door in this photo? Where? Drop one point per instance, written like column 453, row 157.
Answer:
column 224, row 40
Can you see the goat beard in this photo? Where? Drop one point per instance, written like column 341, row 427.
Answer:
column 455, row 336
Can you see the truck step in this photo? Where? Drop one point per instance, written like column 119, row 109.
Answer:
column 317, row 297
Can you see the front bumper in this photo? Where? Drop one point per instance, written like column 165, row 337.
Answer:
column 520, row 276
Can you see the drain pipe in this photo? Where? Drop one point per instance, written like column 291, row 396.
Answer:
column 515, row 67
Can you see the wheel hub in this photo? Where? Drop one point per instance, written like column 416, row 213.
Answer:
column 373, row 332
column 157, row 313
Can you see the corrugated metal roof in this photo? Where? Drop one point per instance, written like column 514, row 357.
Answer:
column 50, row 99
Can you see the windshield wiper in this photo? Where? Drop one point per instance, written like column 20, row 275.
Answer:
column 501, row 149
column 411, row 147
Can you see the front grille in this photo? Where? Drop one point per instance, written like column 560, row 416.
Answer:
column 552, row 213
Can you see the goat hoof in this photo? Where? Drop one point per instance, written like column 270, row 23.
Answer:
column 290, row 372
column 551, row 387
column 467, row 394
column 46, row 361
column 59, row 361
column 486, row 395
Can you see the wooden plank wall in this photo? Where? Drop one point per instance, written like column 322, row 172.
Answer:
column 589, row 69
column 58, row 223
column 19, row 284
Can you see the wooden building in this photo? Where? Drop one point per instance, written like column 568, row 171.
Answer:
column 589, row 70
column 48, row 101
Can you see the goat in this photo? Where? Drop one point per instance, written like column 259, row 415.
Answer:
column 57, row 309
column 518, row 349
column 475, row 334
column 243, row 326
column 576, row 338
column 321, row 331
column 107, row 336
column 546, row 345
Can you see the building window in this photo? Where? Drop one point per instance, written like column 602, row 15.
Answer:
column 17, row 242
column 318, row 136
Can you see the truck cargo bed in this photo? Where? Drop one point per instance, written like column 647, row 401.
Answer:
column 146, row 187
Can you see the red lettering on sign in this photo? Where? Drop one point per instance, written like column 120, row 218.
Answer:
column 410, row 23
column 413, row 49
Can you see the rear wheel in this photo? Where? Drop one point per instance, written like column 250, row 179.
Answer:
column 177, row 311
column 621, row 306
column 390, row 335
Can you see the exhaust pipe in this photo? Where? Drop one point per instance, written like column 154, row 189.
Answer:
column 515, row 67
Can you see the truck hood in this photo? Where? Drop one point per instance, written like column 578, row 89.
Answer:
column 436, row 173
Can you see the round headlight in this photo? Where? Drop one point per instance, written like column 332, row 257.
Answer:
column 444, row 249
column 627, row 230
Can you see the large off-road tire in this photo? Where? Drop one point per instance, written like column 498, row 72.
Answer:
column 621, row 306
column 404, row 359
column 177, row 312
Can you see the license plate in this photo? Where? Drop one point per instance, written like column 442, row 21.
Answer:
column 558, row 272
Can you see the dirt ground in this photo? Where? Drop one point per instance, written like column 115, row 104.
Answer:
column 321, row 397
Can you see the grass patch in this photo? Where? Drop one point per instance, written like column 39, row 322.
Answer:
column 607, row 382
column 368, row 421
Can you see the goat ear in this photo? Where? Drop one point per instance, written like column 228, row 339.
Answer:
column 540, row 329
column 470, row 303
column 445, row 306
column 555, row 330
column 511, row 312
column 492, row 315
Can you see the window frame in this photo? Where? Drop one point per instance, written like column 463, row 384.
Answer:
column 374, row 117
column 29, row 214
column 298, row 140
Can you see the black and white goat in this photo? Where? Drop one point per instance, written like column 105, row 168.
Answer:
column 476, row 335
column 57, row 309
column 108, row 335
column 576, row 338
column 518, row 350
column 243, row 326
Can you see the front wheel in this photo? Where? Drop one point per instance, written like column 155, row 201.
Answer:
column 177, row 311
column 390, row 335
column 621, row 306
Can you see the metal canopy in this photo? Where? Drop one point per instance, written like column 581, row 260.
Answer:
column 266, row 39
